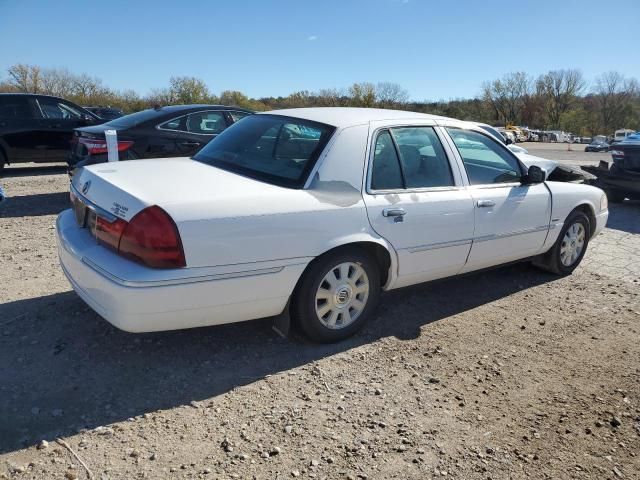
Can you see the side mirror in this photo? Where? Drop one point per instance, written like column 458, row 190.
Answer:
column 534, row 175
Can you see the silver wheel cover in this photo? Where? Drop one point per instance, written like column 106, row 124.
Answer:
column 342, row 295
column 572, row 244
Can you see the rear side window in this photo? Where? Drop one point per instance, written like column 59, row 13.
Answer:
column 273, row 148
column 408, row 158
column 14, row 107
column 206, row 123
column 55, row 109
column 485, row 160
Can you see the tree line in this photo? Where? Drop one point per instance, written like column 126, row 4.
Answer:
column 558, row 99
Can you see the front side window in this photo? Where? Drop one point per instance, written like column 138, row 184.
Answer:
column 409, row 158
column 52, row 108
column 272, row 148
column 235, row 115
column 485, row 160
column 206, row 123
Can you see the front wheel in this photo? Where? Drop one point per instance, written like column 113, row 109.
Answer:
column 570, row 247
column 337, row 295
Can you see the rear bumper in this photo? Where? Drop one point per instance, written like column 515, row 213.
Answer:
column 117, row 290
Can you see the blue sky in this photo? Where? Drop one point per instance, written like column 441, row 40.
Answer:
column 435, row 49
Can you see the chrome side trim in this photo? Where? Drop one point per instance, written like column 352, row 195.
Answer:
column 435, row 246
column 497, row 236
column 108, row 216
column 179, row 281
column 485, row 238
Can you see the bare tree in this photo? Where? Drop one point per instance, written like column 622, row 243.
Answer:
column 560, row 89
column 391, row 94
column 25, row 78
column 614, row 94
column 508, row 95
column 330, row 97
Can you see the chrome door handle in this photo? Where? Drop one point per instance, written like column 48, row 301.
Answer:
column 486, row 203
column 394, row 212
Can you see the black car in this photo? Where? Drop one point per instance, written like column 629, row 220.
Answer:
column 173, row 131
column 38, row 128
column 597, row 146
column 106, row 113
column 621, row 178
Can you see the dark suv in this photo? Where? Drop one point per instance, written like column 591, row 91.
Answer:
column 38, row 128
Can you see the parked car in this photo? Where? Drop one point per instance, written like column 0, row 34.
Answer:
column 597, row 146
column 106, row 113
column 622, row 134
column 621, row 178
column 161, row 132
column 265, row 220
column 38, row 128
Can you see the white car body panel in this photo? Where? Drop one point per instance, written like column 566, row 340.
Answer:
column 247, row 242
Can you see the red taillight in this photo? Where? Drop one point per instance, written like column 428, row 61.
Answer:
column 95, row 145
column 109, row 234
column 152, row 238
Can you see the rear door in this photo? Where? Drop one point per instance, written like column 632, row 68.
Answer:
column 201, row 128
column 511, row 219
column 416, row 200
column 19, row 129
column 59, row 120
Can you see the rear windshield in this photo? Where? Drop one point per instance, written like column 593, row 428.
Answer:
column 137, row 118
column 272, row 148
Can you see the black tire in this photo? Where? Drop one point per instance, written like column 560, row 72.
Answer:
column 304, row 302
column 552, row 261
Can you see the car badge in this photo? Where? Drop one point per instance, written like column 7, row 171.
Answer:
column 85, row 187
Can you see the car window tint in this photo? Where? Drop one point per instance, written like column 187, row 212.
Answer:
column 206, row 123
column 52, row 108
column 235, row 116
column 424, row 162
column 385, row 173
column 174, row 124
column 14, row 107
column 273, row 148
column 485, row 160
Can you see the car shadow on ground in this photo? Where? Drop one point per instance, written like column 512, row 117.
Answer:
column 34, row 205
column 64, row 368
column 625, row 216
column 33, row 170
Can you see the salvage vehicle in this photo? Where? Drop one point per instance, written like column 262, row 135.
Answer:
column 38, row 128
column 308, row 214
column 620, row 178
column 160, row 132
column 597, row 146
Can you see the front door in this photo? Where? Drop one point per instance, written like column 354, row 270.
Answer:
column 60, row 119
column 511, row 218
column 416, row 201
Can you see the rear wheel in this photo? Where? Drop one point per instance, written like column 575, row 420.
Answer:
column 570, row 247
column 337, row 295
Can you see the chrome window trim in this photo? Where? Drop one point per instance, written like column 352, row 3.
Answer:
column 158, row 127
column 372, row 150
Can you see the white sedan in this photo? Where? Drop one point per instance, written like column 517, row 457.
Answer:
column 312, row 212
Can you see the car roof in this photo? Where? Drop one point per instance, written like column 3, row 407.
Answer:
column 349, row 116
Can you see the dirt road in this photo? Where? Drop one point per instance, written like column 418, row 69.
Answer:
column 508, row 374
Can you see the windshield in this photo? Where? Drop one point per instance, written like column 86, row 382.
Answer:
column 134, row 119
column 272, row 148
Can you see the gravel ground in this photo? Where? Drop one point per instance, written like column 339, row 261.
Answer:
column 507, row 374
